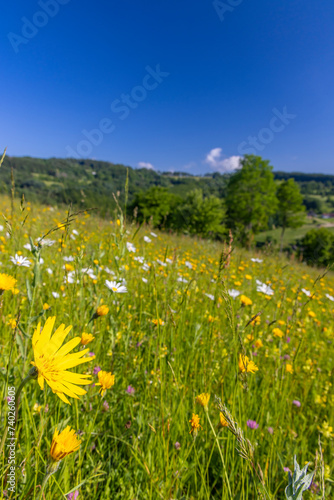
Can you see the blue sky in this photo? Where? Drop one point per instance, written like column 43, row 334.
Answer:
column 187, row 86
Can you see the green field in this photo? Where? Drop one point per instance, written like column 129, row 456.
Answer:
column 174, row 334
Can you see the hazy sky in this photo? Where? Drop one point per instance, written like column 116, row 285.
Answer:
column 177, row 85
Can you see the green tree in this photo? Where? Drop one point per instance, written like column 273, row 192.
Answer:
column 251, row 197
column 156, row 203
column 290, row 206
column 201, row 215
column 317, row 247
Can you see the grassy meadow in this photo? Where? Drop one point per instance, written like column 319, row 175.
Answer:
column 195, row 318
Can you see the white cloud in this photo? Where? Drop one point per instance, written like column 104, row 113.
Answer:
column 143, row 164
column 216, row 161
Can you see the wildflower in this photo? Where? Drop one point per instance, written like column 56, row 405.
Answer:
column 64, row 444
column 296, row 403
column 330, row 297
column 105, row 406
column 19, row 260
column 177, row 445
column 210, row 296
column 247, row 365
column 326, row 430
column 12, row 323
column 222, row 420
column 278, row 332
column 154, row 235
column 52, row 360
column 252, row 424
column 233, row 293
column 258, row 343
column 147, row 239
column 130, row 247
column 263, row 288
column 55, row 295
column 116, row 287
column 46, row 306
column 73, row 496
column 306, row 292
column 130, row 390
column 36, row 408
column 157, row 322
column 257, row 260
column 270, row 430
column 203, row 400
column 312, row 314
column 195, row 425
column 289, row 368
column 102, row 310
column 6, row 283
column 106, row 381
column 245, row 300
column 86, row 338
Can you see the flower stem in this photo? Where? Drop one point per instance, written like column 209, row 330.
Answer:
column 220, row 453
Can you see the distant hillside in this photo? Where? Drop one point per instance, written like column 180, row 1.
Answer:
column 89, row 183
column 92, row 183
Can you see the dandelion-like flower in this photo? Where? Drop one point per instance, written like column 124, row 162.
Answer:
column 203, row 400
column 246, row 365
column 52, row 361
column 106, row 381
column 222, row 420
column 64, row 443
column 86, row 338
column 195, row 425
column 6, row 283
column 102, row 310
column 245, row 300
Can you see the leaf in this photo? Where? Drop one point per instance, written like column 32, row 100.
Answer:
column 28, row 290
column 298, row 483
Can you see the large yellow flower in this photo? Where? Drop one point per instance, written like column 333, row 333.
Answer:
column 6, row 282
column 64, row 443
column 52, row 361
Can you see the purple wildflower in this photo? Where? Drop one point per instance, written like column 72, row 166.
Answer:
column 73, row 496
column 296, row 402
column 270, row 430
column 91, row 354
column 252, row 424
column 286, row 469
column 105, row 406
column 130, row 390
column 177, row 445
column 96, row 370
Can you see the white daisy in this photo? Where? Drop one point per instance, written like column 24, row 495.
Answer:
column 257, row 260
column 263, row 288
column 147, row 239
column 69, row 259
column 130, row 247
column 55, row 295
column 144, row 280
column 19, row 260
column 330, row 297
column 116, row 287
column 306, row 292
column 233, row 293
column 154, row 235
column 212, row 297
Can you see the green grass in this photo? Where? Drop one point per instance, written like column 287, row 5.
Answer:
column 292, row 235
column 128, row 449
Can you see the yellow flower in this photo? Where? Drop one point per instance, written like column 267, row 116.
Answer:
column 37, row 408
column 69, row 267
column 327, row 430
column 102, row 310
column 245, row 300
column 278, row 332
column 289, row 368
column 203, row 400
column 12, row 323
column 86, row 338
column 52, row 360
column 46, row 306
column 246, row 365
column 248, row 277
column 195, row 425
column 106, row 380
column 258, row 343
column 311, row 314
column 222, row 420
column 64, row 443
column 6, row 282
column 157, row 322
